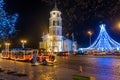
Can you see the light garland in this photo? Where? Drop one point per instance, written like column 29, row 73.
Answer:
column 104, row 42
column 7, row 22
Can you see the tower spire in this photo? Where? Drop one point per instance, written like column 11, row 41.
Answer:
column 55, row 6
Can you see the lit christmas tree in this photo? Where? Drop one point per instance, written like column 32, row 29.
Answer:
column 7, row 22
column 104, row 42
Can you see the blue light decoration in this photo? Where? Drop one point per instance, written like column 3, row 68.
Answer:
column 7, row 22
column 104, row 42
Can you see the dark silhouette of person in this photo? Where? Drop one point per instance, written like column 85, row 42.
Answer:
column 44, row 62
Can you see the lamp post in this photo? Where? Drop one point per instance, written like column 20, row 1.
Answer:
column 23, row 43
column 51, row 38
column 7, row 45
column 90, row 34
column 118, row 26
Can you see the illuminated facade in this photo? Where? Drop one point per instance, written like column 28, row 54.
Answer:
column 104, row 42
column 54, row 41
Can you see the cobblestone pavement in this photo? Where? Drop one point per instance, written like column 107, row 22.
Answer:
column 101, row 68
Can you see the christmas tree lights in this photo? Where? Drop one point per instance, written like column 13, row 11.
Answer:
column 7, row 22
column 104, row 42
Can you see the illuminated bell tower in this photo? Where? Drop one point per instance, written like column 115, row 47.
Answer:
column 54, row 41
column 55, row 30
column 55, row 22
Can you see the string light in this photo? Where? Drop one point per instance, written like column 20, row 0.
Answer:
column 104, row 41
column 7, row 22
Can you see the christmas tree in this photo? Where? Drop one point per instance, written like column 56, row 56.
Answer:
column 7, row 22
column 104, row 42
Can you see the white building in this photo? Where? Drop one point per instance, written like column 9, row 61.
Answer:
column 54, row 41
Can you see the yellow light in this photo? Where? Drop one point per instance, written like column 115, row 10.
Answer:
column 90, row 33
column 118, row 25
column 23, row 41
column 7, row 44
column 51, row 37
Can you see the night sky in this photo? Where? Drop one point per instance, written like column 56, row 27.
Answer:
column 78, row 16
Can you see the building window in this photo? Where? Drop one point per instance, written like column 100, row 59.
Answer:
column 58, row 23
column 54, row 13
column 57, row 32
column 53, row 23
column 57, row 14
column 53, row 32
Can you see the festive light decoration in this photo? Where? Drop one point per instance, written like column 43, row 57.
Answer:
column 104, row 42
column 7, row 22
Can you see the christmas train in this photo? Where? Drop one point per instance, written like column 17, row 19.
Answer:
column 26, row 54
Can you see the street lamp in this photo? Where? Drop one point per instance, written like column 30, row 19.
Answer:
column 90, row 34
column 51, row 38
column 118, row 25
column 0, row 45
column 7, row 45
column 23, row 43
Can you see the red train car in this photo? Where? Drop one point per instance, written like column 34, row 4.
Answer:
column 26, row 54
column 22, row 54
column 19, row 54
column 5, row 54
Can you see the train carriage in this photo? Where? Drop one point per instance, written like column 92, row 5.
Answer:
column 26, row 54
column 23, row 54
column 6, row 54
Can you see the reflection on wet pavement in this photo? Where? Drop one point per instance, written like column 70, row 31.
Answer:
column 101, row 68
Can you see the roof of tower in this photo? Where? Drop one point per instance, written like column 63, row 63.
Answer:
column 55, row 7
